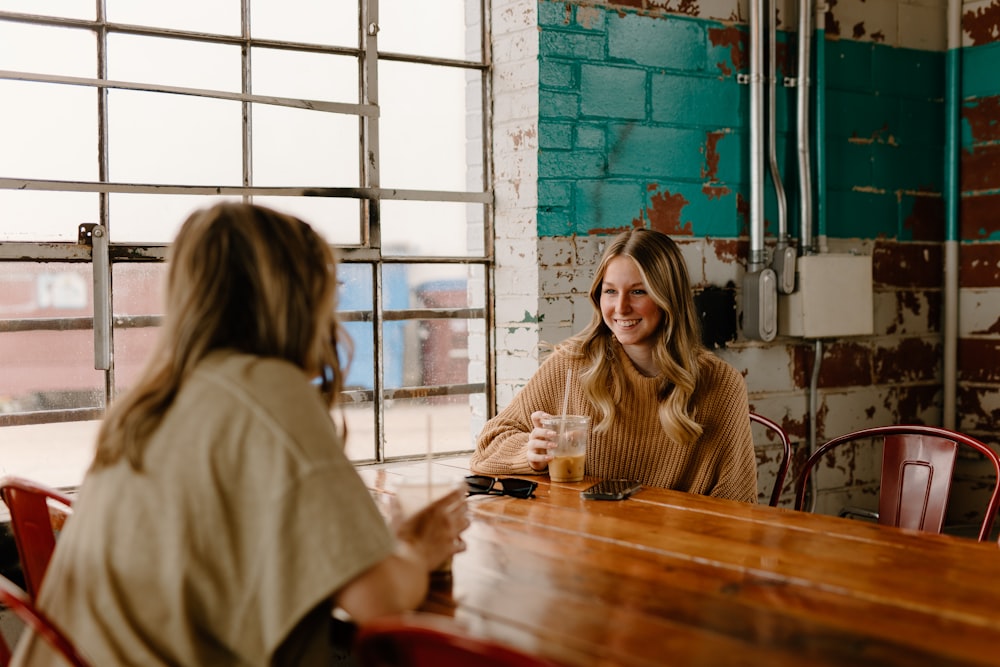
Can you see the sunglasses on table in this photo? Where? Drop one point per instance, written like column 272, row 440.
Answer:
column 494, row 486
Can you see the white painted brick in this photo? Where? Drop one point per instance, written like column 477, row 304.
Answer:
column 972, row 7
column 977, row 312
column 557, row 280
column 521, row 103
column 923, row 26
column 854, row 408
column 515, row 309
column 513, row 17
column 521, row 338
column 721, row 267
column 766, row 367
column 694, row 259
column 878, row 16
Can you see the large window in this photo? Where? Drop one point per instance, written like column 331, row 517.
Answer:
column 364, row 117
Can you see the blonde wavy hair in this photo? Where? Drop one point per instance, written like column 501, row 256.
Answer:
column 678, row 349
column 242, row 277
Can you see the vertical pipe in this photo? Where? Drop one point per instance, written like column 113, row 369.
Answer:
column 757, row 253
column 802, row 125
column 951, row 200
column 819, row 111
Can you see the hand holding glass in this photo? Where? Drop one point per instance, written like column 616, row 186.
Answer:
column 570, row 452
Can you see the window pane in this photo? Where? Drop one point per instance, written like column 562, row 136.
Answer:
column 432, row 228
column 46, row 369
column 215, row 16
column 151, row 218
column 424, row 112
column 439, row 423
column 360, row 418
column 48, row 131
column 355, row 294
column 430, row 28
column 138, row 295
column 310, row 76
column 74, row 9
column 313, row 21
column 32, row 215
column 47, row 50
column 195, row 141
column 168, row 62
column 303, row 147
column 338, row 220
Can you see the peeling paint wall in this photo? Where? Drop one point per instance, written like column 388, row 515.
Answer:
column 641, row 122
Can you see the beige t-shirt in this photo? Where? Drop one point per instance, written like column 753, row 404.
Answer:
column 247, row 516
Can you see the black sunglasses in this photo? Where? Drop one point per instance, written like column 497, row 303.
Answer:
column 494, row 486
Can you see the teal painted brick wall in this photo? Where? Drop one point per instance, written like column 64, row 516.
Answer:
column 648, row 124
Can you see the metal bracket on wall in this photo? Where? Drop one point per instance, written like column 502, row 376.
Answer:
column 95, row 236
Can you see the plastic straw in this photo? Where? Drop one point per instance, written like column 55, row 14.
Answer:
column 430, row 466
column 565, row 405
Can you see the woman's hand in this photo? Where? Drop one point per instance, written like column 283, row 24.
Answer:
column 434, row 533
column 540, row 441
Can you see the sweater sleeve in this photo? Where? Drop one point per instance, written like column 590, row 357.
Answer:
column 737, row 464
column 502, row 445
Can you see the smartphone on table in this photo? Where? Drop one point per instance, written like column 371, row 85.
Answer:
column 611, row 489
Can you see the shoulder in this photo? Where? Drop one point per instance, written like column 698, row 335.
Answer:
column 716, row 370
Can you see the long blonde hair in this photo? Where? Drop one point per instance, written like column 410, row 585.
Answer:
column 242, row 277
column 678, row 349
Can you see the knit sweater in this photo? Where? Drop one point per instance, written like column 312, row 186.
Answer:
column 720, row 463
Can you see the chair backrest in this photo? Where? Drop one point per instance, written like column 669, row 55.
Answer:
column 37, row 513
column 15, row 599
column 917, row 465
column 425, row 640
column 783, row 462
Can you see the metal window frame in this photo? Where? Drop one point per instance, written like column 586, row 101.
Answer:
column 370, row 194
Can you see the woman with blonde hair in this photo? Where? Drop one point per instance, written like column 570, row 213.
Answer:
column 666, row 411
column 221, row 522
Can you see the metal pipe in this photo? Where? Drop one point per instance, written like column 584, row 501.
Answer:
column 802, row 126
column 819, row 112
column 951, row 200
column 758, row 256
column 783, row 259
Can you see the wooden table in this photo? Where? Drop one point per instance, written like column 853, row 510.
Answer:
column 669, row 578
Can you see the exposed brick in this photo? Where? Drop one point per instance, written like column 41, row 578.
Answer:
column 979, row 360
column 979, row 264
column 907, row 264
column 909, row 360
column 980, row 168
column 982, row 116
column 979, row 216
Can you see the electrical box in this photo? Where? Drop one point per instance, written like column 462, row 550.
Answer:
column 833, row 298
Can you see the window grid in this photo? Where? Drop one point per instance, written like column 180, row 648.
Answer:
column 368, row 252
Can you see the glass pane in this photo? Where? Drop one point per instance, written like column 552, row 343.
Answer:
column 195, row 141
column 313, row 21
column 435, row 229
column 296, row 147
column 48, row 131
column 310, row 76
column 360, row 419
column 74, row 9
column 138, row 294
column 441, row 423
column 355, row 295
column 152, row 218
column 215, row 16
column 27, row 215
column 430, row 111
column 47, row 50
column 168, row 62
column 431, row 28
column 338, row 220
column 47, row 369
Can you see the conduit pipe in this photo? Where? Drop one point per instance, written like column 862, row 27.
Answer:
column 819, row 111
column 802, row 127
column 760, row 294
column 783, row 260
column 953, row 86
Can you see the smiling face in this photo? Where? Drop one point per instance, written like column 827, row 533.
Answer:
column 628, row 309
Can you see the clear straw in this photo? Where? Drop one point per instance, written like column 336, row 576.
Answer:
column 565, row 405
column 430, row 465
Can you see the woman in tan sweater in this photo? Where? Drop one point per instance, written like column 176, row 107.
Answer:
column 666, row 411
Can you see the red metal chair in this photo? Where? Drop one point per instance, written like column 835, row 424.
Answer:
column 37, row 513
column 917, row 465
column 15, row 599
column 425, row 640
column 783, row 462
